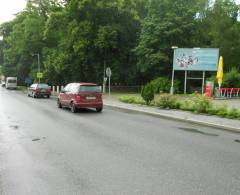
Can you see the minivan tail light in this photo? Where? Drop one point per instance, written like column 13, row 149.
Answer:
column 78, row 97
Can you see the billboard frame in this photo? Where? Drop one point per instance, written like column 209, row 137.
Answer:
column 186, row 70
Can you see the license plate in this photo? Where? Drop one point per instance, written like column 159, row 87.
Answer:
column 90, row 98
column 43, row 90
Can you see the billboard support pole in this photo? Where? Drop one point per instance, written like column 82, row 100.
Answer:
column 185, row 83
column 203, row 82
column 172, row 87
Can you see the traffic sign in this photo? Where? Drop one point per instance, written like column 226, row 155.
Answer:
column 39, row 75
column 108, row 72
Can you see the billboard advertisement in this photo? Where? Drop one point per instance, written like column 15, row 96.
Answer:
column 196, row 59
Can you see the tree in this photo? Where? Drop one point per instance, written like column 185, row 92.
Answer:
column 167, row 24
column 219, row 28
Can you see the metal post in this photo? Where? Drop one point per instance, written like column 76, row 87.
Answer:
column 203, row 82
column 104, row 76
column 185, row 83
column 38, row 66
column 109, row 85
column 172, row 85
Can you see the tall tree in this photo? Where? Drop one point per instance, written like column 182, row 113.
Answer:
column 168, row 23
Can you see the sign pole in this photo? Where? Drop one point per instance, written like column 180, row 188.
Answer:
column 203, row 82
column 39, row 66
column 185, row 83
column 104, row 77
column 109, row 74
column 109, row 86
column 172, row 85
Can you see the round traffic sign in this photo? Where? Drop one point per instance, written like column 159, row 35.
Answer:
column 108, row 72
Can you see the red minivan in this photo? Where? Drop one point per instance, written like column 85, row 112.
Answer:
column 81, row 95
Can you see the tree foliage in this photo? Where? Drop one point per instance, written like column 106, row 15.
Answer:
column 77, row 38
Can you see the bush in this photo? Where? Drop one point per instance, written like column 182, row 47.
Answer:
column 162, row 84
column 147, row 93
column 187, row 105
column 233, row 113
column 132, row 100
column 232, row 78
column 201, row 103
column 167, row 101
column 212, row 110
column 222, row 111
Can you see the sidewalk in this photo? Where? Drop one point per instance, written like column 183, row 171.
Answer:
column 207, row 120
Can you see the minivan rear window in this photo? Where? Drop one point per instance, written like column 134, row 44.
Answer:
column 11, row 81
column 90, row 88
column 43, row 86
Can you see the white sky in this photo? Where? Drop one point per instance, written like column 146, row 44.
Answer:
column 10, row 7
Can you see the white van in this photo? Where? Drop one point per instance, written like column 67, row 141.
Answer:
column 11, row 83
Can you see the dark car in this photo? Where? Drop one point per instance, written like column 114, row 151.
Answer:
column 39, row 90
column 81, row 95
column 3, row 84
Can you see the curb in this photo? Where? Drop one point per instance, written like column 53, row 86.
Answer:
column 166, row 116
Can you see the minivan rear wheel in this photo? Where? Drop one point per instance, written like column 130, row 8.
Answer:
column 99, row 109
column 73, row 107
column 59, row 104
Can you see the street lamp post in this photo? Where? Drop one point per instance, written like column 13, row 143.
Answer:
column 172, row 84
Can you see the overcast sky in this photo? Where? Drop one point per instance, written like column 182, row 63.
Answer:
column 10, row 7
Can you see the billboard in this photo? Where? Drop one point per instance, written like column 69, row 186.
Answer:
column 196, row 59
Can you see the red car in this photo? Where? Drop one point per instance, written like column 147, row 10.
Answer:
column 81, row 95
column 39, row 90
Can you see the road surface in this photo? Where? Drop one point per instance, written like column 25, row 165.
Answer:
column 46, row 150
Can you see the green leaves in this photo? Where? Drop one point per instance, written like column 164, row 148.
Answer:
column 76, row 38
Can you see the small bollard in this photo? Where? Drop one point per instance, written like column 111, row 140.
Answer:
column 57, row 89
column 53, row 89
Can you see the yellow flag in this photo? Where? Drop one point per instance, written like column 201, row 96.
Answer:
column 220, row 71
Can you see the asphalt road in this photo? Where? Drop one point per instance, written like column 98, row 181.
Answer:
column 46, row 150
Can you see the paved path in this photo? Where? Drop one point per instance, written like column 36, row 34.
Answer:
column 230, row 103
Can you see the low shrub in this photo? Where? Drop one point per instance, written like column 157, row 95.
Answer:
column 201, row 103
column 132, row 100
column 212, row 110
column 233, row 113
column 187, row 105
column 167, row 101
column 147, row 93
column 196, row 103
column 222, row 111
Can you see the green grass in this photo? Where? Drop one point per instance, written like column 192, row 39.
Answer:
column 21, row 88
